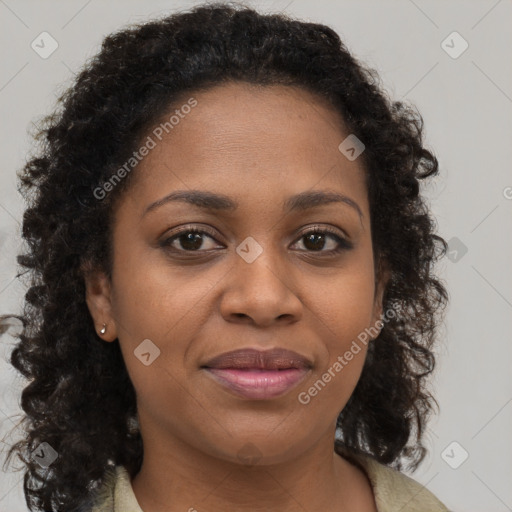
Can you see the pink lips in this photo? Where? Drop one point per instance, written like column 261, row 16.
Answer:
column 258, row 375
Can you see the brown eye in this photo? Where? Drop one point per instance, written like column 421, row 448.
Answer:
column 317, row 240
column 188, row 240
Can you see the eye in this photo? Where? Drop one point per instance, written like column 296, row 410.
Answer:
column 317, row 239
column 188, row 240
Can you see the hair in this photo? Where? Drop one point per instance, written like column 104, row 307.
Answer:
column 79, row 398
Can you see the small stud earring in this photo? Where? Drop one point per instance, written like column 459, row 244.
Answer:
column 103, row 330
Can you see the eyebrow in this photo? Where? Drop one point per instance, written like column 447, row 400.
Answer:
column 220, row 202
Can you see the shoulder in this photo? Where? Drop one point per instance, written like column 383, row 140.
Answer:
column 395, row 491
column 116, row 493
column 103, row 498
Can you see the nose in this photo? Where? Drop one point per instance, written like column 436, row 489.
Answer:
column 261, row 293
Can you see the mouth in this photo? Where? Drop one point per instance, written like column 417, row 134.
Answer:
column 258, row 375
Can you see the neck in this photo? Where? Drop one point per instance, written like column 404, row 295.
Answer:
column 182, row 478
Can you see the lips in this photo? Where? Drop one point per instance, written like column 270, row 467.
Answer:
column 275, row 359
column 258, row 375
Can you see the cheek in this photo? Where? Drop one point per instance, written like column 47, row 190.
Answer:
column 343, row 313
column 152, row 298
column 167, row 306
column 344, row 304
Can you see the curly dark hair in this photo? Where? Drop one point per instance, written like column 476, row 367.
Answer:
column 79, row 398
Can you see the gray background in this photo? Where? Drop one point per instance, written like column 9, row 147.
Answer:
column 466, row 103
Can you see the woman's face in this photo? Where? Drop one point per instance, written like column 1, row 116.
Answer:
column 254, row 278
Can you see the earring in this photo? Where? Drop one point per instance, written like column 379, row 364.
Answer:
column 103, row 330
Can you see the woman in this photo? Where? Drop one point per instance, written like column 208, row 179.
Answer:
column 233, row 304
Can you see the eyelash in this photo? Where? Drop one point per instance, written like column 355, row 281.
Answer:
column 343, row 243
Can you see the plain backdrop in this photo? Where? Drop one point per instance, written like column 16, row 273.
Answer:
column 465, row 97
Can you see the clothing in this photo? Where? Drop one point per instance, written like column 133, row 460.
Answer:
column 393, row 491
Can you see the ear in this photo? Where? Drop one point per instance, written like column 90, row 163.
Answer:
column 381, row 280
column 98, row 294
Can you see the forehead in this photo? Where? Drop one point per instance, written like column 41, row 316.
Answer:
column 253, row 115
column 245, row 140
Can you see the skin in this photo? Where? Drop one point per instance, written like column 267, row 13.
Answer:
column 259, row 145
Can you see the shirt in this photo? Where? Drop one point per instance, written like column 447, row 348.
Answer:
column 393, row 491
